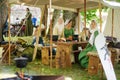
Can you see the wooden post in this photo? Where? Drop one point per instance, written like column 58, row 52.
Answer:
column 51, row 43
column 9, row 32
column 46, row 15
column 51, row 31
column 100, row 16
column 85, row 15
column 112, row 22
column 38, row 35
column 78, row 21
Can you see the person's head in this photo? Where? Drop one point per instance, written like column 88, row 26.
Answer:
column 60, row 20
column 93, row 24
column 27, row 9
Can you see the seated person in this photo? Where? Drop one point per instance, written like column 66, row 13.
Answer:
column 35, row 36
column 83, row 58
column 68, row 34
column 84, row 36
column 58, row 28
column 69, row 31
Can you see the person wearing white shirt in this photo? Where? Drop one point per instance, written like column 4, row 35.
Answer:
column 59, row 28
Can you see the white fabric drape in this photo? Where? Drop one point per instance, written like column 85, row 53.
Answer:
column 108, row 25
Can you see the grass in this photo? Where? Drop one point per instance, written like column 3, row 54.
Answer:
column 75, row 72
column 37, row 68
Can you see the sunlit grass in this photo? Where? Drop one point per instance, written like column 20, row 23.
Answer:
column 28, row 39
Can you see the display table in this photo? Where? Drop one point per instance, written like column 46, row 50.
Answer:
column 64, row 51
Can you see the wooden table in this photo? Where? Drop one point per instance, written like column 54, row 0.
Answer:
column 63, row 55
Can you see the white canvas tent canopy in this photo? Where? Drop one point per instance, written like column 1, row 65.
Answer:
column 60, row 4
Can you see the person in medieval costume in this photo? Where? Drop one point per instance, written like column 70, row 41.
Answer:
column 29, row 26
column 83, row 58
column 69, row 31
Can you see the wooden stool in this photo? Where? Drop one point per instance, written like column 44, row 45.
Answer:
column 45, row 55
column 93, row 63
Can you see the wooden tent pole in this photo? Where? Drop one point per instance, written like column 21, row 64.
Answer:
column 51, row 32
column 46, row 13
column 78, row 21
column 112, row 22
column 100, row 16
column 78, row 10
column 38, row 34
column 85, row 15
column 9, row 32
column 51, row 43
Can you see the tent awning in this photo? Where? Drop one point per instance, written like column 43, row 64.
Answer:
column 61, row 4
